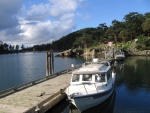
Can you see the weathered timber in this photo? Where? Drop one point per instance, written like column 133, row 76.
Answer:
column 36, row 96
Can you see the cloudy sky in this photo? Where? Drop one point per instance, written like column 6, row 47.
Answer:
column 31, row 22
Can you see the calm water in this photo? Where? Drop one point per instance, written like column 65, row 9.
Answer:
column 16, row 69
column 132, row 93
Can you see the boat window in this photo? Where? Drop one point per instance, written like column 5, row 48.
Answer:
column 87, row 77
column 108, row 75
column 75, row 78
column 100, row 78
column 106, row 64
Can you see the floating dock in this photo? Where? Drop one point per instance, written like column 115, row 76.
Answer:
column 37, row 96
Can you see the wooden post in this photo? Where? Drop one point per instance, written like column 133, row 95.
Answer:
column 106, row 55
column 52, row 63
column 113, row 52
column 93, row 53
column 49, row 63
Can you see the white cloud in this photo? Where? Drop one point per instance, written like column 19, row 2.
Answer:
column 53, row 8
column 38, row 12
column 36, row 32
column 63, row 6
column 37, row 24
column 67, row 16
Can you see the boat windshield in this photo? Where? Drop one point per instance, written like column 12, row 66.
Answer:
column 99, row 77
column 105, row 64
column 75, row 78
column 87, row 77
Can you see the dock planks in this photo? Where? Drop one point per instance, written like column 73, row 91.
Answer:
column 37, row 98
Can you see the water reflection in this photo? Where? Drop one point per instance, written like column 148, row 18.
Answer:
column 119, row 65
column 133, row 86
column 135, row 73
column 105, row 107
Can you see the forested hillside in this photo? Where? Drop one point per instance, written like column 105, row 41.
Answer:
column 133, row 26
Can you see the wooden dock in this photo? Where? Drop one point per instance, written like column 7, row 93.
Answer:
column 37, row 96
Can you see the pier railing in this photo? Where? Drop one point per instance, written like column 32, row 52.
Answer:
column 34, row 82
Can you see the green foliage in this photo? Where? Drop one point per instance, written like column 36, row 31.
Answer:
column 127, row 45
column 133, row 22
column 143, row 43
column 146, row 26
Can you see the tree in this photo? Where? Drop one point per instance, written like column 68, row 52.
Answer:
column 115, row 29
column 133, row 22
column 102, row 26
column 10, row 47
column 17, row 47
column 123, row 35
column 147, row 15
column 6, row 46
column 22, row 46
column 1, row 43
column 1, row 46
column 146, row 26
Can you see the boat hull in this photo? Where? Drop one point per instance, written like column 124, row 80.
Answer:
column 119, row 58
column 88, row 101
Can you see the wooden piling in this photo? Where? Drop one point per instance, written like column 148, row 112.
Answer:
column 49, row 63
column 113, row 52
column 106, row 55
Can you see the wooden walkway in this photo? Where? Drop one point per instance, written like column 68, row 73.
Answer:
column 36, row 96
column 36, row 99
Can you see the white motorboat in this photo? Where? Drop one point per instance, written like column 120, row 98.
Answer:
column 91, row 85
column 119, row 56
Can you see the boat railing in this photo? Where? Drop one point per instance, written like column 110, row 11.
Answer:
column 87, row 90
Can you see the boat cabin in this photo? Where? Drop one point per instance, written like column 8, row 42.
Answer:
column 93, row 73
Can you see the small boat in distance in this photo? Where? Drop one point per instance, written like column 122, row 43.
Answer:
column 91, row 85
column 119, row 56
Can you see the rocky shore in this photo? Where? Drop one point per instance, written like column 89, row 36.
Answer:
column 98, row 52
column 70, row 53
column 80, row 52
